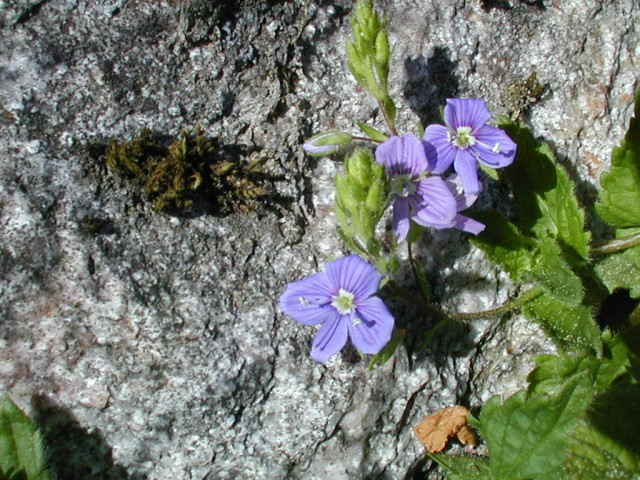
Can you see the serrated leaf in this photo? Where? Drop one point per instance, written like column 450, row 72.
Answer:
column 544, row 196
column 621, row 270
column 554, row 370
column 463, row 468
column 21, row 448
column 504, row 244
column 620, row 194
column 372, row 133
column 590, row 458
column 569, row 326
column 554, row 275
column 615, row 414
column 526, row 432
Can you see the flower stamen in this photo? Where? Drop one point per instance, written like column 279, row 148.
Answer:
column 463, row 138
column 343, row 302
column 403, row 185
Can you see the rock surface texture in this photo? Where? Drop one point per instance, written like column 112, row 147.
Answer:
column 151, row 346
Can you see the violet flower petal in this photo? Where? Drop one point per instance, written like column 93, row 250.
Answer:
column 463, row 199
column 494, row 147
column 308, row 301
column 402, row 155
column 372, row 331
column 436, row 137
column 331, row 337
column 354, row 275
column 401, row 221
column 468, row 224
column 466, row 112
column 438, row 203
column 465, row 166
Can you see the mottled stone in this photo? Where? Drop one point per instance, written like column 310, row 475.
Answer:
column 151, row 346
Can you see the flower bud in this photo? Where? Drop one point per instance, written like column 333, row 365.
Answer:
column 359, row 167
column 326, row 143
column 382, row 50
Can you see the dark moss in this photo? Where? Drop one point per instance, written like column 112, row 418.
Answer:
column 518, row 97
column 191, row 175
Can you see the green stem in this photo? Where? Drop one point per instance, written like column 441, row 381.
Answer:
column 365, row 139
column 417, row 275
column 387, row 119
column 616, row 245
column 508, row 307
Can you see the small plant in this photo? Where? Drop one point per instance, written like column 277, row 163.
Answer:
column 190, row 171
column 577, row 417
column 22, row 455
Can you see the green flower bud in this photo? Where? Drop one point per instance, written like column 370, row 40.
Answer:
column 359, row 167
column 375, row 198
column 326, row 143
column 382, row 50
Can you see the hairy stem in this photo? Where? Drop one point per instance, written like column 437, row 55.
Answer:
column 366, row 139
column 508, row 307
column 390, row 123
column 616, row 245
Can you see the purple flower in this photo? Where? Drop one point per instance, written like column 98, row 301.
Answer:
column 467, row 139
column 464, row 201
column 340, row 299
column 419, row 197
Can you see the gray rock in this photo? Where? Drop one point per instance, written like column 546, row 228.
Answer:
column 151, row 346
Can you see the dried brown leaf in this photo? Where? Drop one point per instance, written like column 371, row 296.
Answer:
column 467, row 436
column 434, row 430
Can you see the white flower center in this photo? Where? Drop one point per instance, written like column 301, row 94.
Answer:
column 402, row 185
column 343, row 302
column 463, row 138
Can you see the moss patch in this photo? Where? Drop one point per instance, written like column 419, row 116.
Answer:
column 191, row 174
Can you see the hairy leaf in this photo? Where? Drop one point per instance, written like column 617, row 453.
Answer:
column 545, row 201
column 620, row 194
column 21, row 448
column 554, row 275
column 593, row 457
column 621, row 270
column 464, row 468
column 372, row 133
column 504, row 244
column 570, row 326
column 526, row 432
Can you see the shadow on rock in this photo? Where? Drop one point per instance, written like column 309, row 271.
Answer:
column 429, row 83
column 74, row 453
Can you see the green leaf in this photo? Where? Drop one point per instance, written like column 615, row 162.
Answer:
column 621, row 270
column 463, row 468
column 387, row 352
column 593, row 457
column 554, row 275
column 553, row 371
column 620, row 194
column 526, row 433
column 491, row 172
column 21, row 447
column 569, row 326
column 544, row 196
column 504, row 244
column 372, row 133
